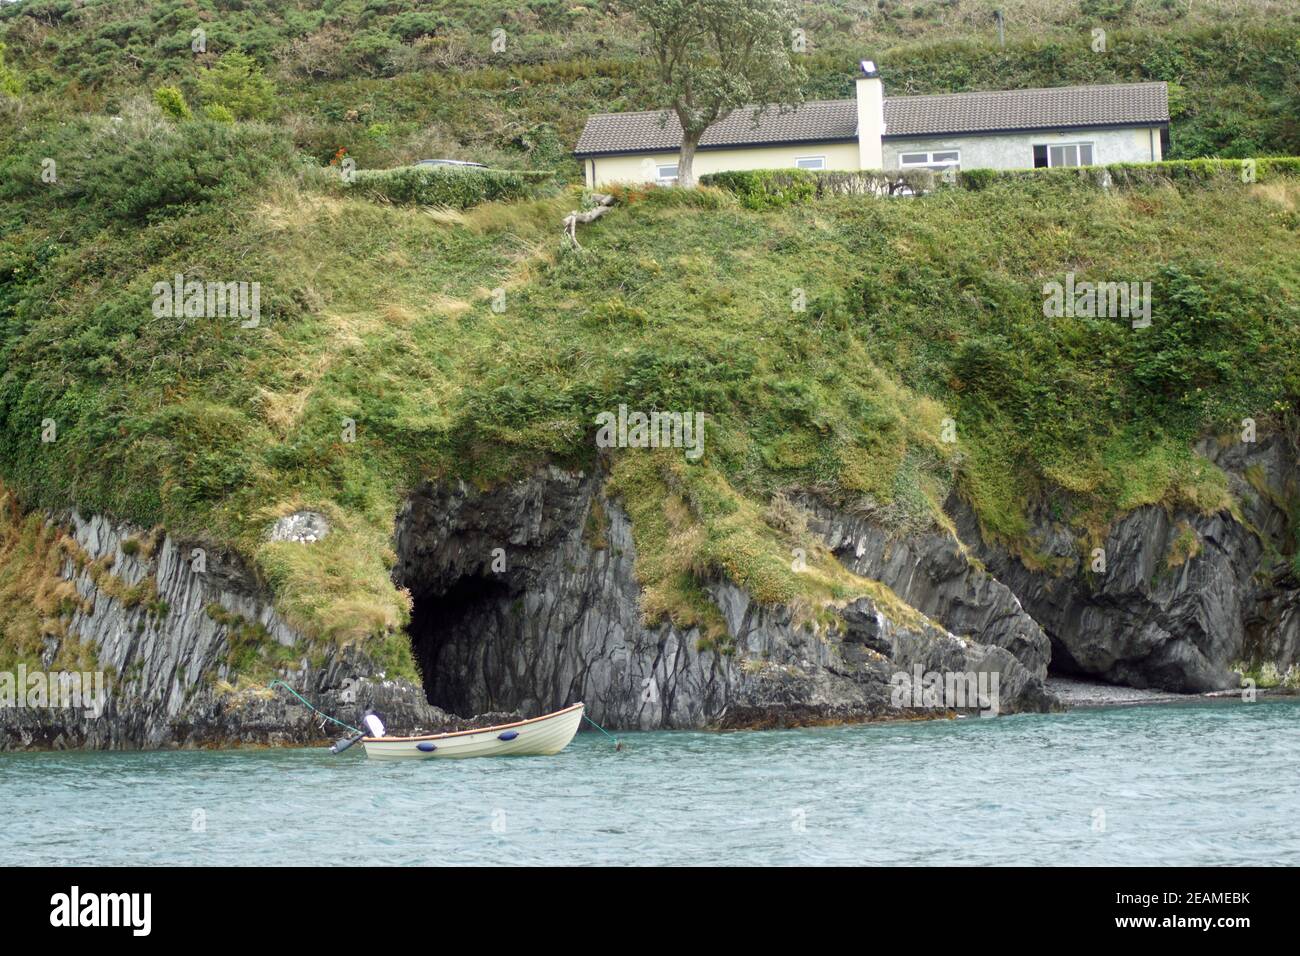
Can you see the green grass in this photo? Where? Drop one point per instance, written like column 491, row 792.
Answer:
column 917, row 311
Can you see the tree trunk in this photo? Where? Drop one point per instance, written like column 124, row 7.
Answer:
column 686, row 162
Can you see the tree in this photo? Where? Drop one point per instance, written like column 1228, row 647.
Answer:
column 716, row 56
column 237, row 84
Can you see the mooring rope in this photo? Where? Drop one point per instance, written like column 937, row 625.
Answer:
column 617, row 745
column 308, row 703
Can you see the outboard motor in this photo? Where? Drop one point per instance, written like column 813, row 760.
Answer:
column 343, row 743
column 374, row 725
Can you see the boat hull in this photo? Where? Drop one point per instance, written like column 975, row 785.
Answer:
column 540, row 736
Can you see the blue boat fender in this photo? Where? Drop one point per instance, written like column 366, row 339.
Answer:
column 508, row 735
column 427, row 746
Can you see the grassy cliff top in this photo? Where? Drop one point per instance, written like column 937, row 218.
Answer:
column 401, row 343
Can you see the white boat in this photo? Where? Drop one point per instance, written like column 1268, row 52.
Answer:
column 539, row 736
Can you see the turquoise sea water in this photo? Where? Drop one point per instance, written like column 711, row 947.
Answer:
column 1208, row 783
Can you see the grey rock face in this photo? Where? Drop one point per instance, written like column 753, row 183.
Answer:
column 165, row 659
column 517, row 612
column 931, row 572
column 516, row 608
column 305, row 527
column 1169, row 611
column 524, row 604
column 1265, row 479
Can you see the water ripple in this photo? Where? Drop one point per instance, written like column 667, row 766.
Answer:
column 1212, row 783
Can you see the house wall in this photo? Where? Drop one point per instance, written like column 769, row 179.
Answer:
column 640, row 167
column 1003, row 151
column 1016, row 150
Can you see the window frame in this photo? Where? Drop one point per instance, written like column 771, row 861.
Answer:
column 803, row 159
column 661, row 179
column 930, row 161
column 1077, row 146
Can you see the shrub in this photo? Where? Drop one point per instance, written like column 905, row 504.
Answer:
column 10, row 85
column 318, row 55
column 773, row 188
column 1139, row 174
column 237, row 83
column 142, row 169
column 372, row 51
column 172, row 102
column 218, row 113
column 705, row 197
column 765, row 188
column 411, row 26
column 455, row 186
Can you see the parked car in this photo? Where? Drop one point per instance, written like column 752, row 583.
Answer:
column 449, row 162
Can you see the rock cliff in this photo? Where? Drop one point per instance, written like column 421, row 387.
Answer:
column 519, row 608
column 1183, row 597
column 515, row 607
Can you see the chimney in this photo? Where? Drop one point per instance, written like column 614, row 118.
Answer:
column 871, row 116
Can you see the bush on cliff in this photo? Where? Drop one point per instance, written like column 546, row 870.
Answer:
column 457, row 187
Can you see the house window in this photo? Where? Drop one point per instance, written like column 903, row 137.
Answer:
column 666, row 175
column 1066, row 154
column 810, row 162
column 937, row 160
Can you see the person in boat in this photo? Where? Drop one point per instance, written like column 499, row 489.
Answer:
column 374, row 725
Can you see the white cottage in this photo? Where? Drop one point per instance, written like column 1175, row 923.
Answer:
column 1011, row 129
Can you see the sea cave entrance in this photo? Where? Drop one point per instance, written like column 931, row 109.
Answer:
column 452, row 631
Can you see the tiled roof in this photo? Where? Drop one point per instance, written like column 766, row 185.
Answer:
column 638, row 132
column 1121, row 104
column 1117, row 104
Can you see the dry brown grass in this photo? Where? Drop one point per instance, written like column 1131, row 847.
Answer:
column 444, row 215
column 399, row 314
column 35, row 600
column 282, row 410
column 449, row 306
column 1284, row 192
column 396, row 258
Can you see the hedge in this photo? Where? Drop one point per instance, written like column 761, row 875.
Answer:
column 772, row 188
column 459, row 187
column 1139, row 174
